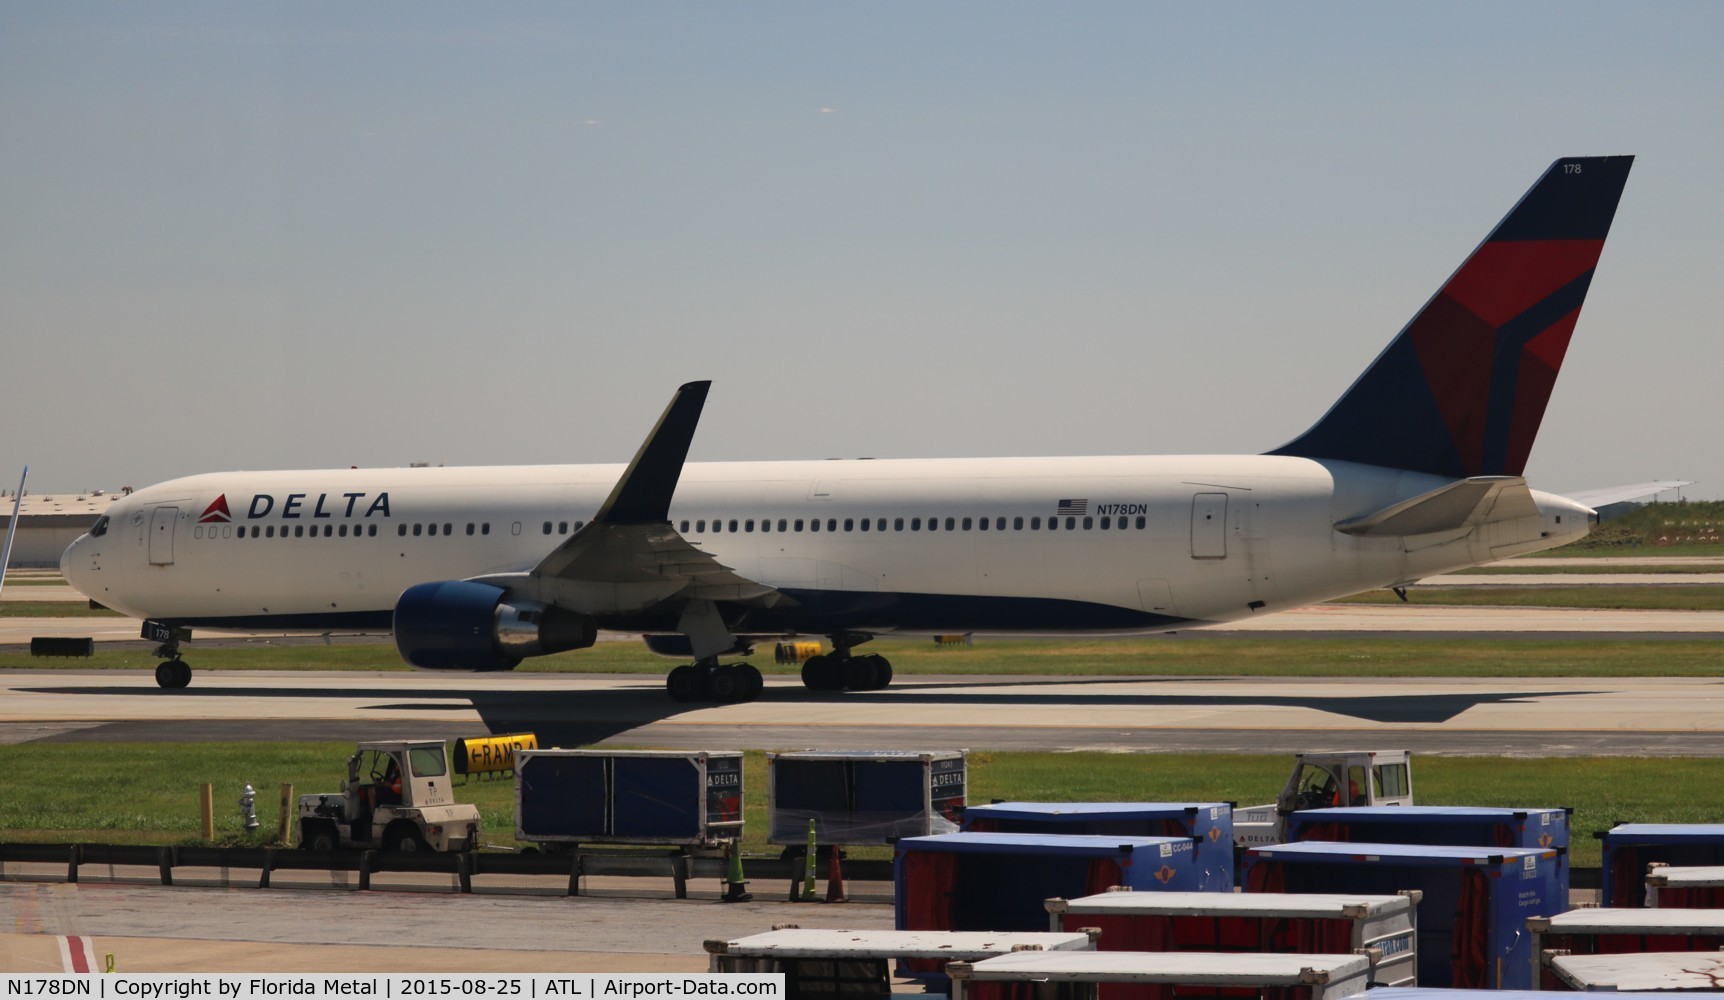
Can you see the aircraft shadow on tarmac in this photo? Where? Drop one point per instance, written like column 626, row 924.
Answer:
column 577, row 718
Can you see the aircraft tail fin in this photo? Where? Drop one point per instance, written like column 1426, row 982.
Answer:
column 12, row 528
column 1460, row 392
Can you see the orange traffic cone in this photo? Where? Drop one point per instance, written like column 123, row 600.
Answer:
column 835, row 880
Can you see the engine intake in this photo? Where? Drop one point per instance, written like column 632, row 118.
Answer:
column 458, row 625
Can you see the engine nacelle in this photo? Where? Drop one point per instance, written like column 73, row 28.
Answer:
column 457, row 625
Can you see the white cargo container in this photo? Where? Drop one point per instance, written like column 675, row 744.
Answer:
column 1078, row 975
column 1622, row 931
column 1664, row 972
column 1700, row 887
column 842, row 963
column 1384, row 928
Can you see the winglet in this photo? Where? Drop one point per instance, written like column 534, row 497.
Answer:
column 642, row 495
column 12, row 528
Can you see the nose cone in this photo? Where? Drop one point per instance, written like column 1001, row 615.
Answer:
column 70, row 565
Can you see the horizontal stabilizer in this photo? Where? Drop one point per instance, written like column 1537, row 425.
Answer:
column 1464, row 504
column 1617, row 494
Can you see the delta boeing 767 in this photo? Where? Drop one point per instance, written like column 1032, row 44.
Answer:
column 1416, row 470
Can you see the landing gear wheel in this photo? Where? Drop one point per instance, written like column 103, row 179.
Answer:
column 686, row 683
column 883, row 672
column 729, row 684
column 756, row 683
column 173, row 674
column 861, row 673
column 823, row 673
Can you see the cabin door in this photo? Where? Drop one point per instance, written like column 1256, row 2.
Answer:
column 162, row 521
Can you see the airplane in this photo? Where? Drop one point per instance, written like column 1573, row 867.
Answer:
column 1416, row 470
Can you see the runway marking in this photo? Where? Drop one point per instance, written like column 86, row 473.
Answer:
column 77, row 954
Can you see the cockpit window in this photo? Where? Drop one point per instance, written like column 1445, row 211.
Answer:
column 100, row 528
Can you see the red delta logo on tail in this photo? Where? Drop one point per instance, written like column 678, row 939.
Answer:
column 216, row 512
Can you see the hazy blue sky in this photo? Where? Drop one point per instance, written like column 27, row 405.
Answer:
column 307, row 235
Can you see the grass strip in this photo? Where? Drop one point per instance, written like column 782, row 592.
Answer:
column 147, row 793
column 53, row 609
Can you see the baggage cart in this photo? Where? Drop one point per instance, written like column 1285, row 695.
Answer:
column 1634, row 930
column 691, row 798
column 1210, row 824
column 998, row 881
column 1472, row 918
column 1630, row 847
column 842, row 963
column 1691, row 887
column 859, row 797
column 1385, row 928
column 1085, row 975
column 1664, row 972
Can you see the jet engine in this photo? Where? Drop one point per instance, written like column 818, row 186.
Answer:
column 458, row 625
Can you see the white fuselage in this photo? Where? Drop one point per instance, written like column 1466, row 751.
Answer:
column 1154, row 542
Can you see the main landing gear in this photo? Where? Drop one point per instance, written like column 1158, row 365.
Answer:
column 708, row 680
column 839, row 670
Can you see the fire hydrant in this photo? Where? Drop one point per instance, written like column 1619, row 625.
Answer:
column 248, row 808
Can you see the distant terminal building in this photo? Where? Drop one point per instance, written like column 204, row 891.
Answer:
column 48, row 522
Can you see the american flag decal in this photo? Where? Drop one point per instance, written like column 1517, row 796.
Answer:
column 1079, row 507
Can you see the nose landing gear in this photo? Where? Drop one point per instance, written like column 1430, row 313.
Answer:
column 172, row 673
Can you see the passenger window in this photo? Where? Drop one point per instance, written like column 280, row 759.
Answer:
column 700, row 527
column 915, row 524
column 547, row 527
column 733, row 524
column 1088, row 523
column 514, row 527
column 371, row 530
column 748, row 525
column 982, row 524
column 1106, row 522
column 579, row 525
column 329, row 531
column 198, row 532
column 933, row 524
column 1053, row 524
column 1140, row 522
column 864, row 524
column 684, row 528
column 897, row 524
column 814, row 525
column 832, row 524
column 880, row 525
column 418, row 529
column 401, row 529
column 485, row 528
column 343, row 531
column 299, row 531
column 799, row 524
column 1035, row 524
column 781, row 525
column 1071, row 524
column 1017, row 524
column 470, row 528
column 562, row 527
column 952, row 522
column 849, row 524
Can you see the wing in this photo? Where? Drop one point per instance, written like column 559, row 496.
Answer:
column 629, row 558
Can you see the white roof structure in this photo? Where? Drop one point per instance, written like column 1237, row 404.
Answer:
column 1630, row 920
column 1172, row 967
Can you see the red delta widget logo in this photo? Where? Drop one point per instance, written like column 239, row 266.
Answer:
column 293, row 506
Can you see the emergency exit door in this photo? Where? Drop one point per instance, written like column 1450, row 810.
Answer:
column 1209, row 526
column 162, row 521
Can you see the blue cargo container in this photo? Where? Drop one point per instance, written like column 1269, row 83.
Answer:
column 1630, row 847
column 1472, row 922
column 1209, row 824
column 691, row 797
column 997, row 881
column 1461, row 826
